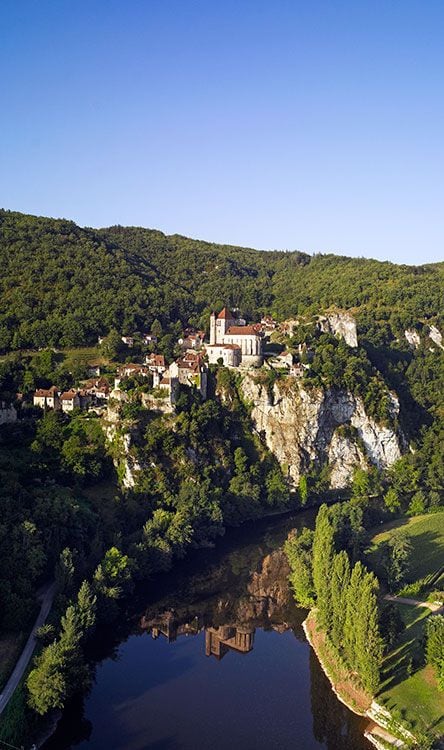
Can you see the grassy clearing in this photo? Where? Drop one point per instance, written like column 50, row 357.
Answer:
column 409, row 689
column 426, row 534
column 84, row 354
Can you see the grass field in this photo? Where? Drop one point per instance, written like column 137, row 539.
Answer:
column 427, row 537
column 409, row 689
column 414, row 696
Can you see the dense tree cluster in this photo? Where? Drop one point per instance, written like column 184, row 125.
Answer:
column 435, row 646
column 345, row 595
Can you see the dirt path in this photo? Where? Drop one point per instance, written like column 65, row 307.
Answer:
column 22, row 663
column 437, row 608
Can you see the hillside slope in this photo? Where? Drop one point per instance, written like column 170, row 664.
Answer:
column 64, row 285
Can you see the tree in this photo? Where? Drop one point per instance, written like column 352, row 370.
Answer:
column 417, row 504
column 112, row 345
column 340, row 581
column 435, row 646
column 46, row 682
column 65, row 572
column 113, row 575
column 298, row 549
column 323, row 551
column 396, row 558
column 391, row 624
column 59, row 670
column 368, row 642
column 352, row 596
column 360, row 484
column 392, row 501
column 303, row 489
column 156, row 328
column 86, row 607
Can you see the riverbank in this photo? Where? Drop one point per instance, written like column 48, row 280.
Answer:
column 350, row 694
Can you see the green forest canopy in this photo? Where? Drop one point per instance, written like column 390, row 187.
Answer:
column 63, row 285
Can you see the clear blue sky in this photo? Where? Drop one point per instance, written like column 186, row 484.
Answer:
column 310, row 125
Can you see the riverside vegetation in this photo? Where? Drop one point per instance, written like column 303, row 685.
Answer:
column 65, row 512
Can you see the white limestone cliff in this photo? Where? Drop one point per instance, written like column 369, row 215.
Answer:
column 300, row 427
column 413, row 338
column 436, row 336
column 342, row 324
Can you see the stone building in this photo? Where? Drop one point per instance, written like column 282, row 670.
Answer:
column 228, row 331
column 47, row 398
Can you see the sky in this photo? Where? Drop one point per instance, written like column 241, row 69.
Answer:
column 316, row 126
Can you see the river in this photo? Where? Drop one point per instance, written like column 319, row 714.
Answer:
column 214, row 658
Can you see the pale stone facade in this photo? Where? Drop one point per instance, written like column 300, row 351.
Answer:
column 226, row 330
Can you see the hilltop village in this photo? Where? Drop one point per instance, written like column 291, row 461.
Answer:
column 232, row 343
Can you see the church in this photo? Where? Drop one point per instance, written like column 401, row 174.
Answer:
column 234, row 342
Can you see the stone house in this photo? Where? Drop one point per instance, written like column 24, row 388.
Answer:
column 70, row 400
column 47, row 398
column 156, row 363
column 98, row 388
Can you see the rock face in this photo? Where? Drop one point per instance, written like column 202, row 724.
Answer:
column 413, row 337
column 126, row 465
column 343, row 456
column 300, row 427
column 436, row 336
column 341, row 324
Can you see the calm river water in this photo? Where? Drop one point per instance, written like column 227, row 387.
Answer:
column 215, row 658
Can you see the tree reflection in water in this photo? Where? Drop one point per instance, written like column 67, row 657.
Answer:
column 223, row 601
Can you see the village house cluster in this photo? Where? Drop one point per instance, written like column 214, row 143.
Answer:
column 93, row 393
column 232, row 343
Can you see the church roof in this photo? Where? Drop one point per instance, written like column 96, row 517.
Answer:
column 225, row 314
column 243, row 331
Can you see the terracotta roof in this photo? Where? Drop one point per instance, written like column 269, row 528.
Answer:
column 191, row 356
column 156, row 359
column 194, row 366
column 165, row 381
column 243, row 331
column 231, row 346
column 46, row 393
column 225, row 314
column 68, row 395
column 131, row 367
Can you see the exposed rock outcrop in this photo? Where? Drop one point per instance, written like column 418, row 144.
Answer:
column 126, row 464
column 299, row 427
column 436, row 336
column 413, row 338
column 342, row 324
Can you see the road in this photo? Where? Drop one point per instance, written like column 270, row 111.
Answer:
column 434, row 606
column 47, row 598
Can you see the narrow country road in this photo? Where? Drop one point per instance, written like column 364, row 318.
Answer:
column 414, row 602
column 19, row 669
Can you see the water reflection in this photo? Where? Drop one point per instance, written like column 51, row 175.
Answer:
column 217, row 658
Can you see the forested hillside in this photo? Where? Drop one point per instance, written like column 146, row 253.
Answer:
column 204, row 464
column 62, row 285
